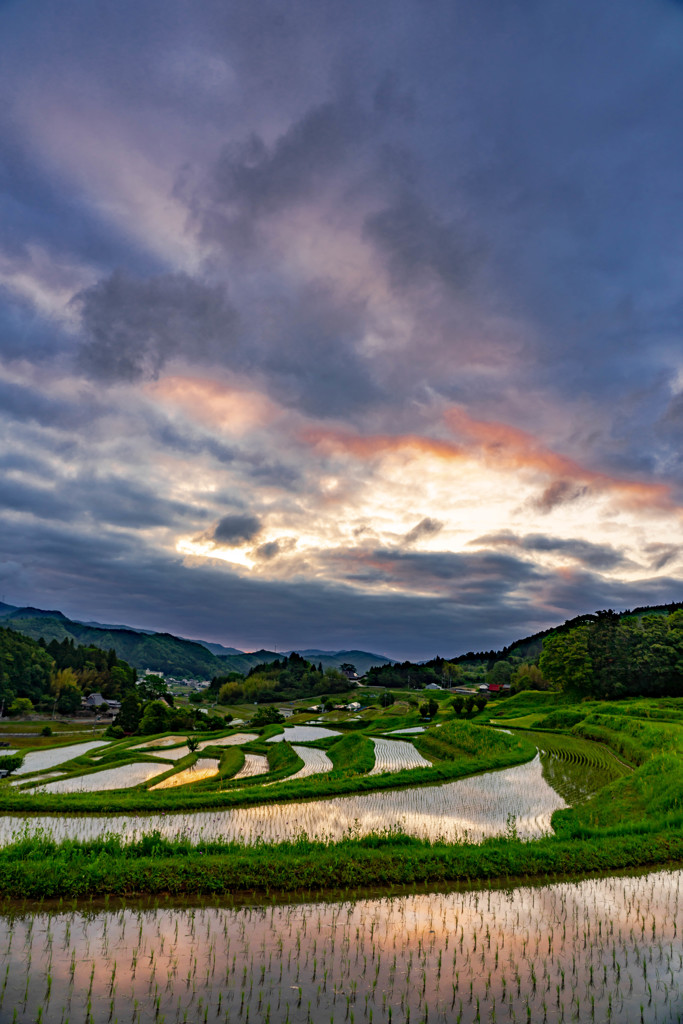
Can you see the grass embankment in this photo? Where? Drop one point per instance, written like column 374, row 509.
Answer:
column 41, row 869
column 646, row 734
column 652, row 793
column 352, row 754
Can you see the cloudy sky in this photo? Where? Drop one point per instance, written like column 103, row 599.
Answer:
column 341, row 324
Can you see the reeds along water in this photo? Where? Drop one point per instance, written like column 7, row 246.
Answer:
column 598, row 950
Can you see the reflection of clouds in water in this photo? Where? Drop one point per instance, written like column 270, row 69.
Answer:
column 537, row 930
column 123, row 777
column 50, row 758
column 395, row 755
column 479, row 806
column 204, row 768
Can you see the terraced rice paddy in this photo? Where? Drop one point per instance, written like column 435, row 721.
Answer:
column 254, row 764
column 122, row 777
column 203, row 768
column 604, row 950
column 574, row 767
column 395, row 756
column 162, row 741
column 235, row 740
column 39, row 760
column 176, row 753
column 304, row 734
column 473, row 807
column 315, row 762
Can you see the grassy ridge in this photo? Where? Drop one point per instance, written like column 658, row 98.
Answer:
column 458, row 740
column 34, row 869
column 352, row 753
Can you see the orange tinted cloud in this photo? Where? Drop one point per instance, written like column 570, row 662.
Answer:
column 216, row 404
column 370, row 445
column 503, row 445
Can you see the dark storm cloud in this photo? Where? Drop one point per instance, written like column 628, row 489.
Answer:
column 271, row 549
column 261, row 180
column 134, row 326
column 427, row 527
column 308, row 353
column 92, row 498
column 598, row 556
column 418, row 244
column 474, row 577
column 21, row 403
column 662, row 554
column 559, row 492
column 235, row 529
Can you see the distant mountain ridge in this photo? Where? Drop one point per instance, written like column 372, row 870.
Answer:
column 162, row 652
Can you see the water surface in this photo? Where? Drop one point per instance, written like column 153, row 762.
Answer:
column 471, row 808
column 596, row 951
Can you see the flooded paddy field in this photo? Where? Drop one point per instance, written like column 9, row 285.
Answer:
column 395, row 756
column 473, row 808
column 600, row 950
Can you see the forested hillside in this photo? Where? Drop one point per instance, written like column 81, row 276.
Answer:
column 57, row 675
column 605, row 655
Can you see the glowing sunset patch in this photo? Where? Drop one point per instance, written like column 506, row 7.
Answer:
column 236, row 410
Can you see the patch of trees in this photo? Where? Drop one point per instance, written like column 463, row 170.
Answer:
column 25, row 668
column 614, row 656
column 91, row 669
column 405, row 675
column 289, row 678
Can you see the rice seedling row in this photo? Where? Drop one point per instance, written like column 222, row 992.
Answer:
column 472, row 808
column 604, row 950
column 396, row 756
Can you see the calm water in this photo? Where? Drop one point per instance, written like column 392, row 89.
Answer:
column 605, row 950
column 474, row 808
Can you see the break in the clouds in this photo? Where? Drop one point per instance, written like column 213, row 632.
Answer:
column 341, row 324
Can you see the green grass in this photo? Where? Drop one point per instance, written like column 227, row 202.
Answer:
column 37, row 868
column 461, row 741
column 352, row 753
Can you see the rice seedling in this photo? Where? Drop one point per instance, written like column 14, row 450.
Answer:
column 315, row 762
column 303, row 734
column 565, row 952
column 39, row 760
column 396, row 756
column 108, row 778
column 254, row 764
column 203, row 768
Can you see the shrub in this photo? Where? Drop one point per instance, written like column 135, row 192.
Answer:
column 46, row 731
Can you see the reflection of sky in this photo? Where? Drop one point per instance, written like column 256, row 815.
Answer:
column 38, row 760
column 109, row 778
column 328, row 328
column 435, row 955
column 479, row 806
